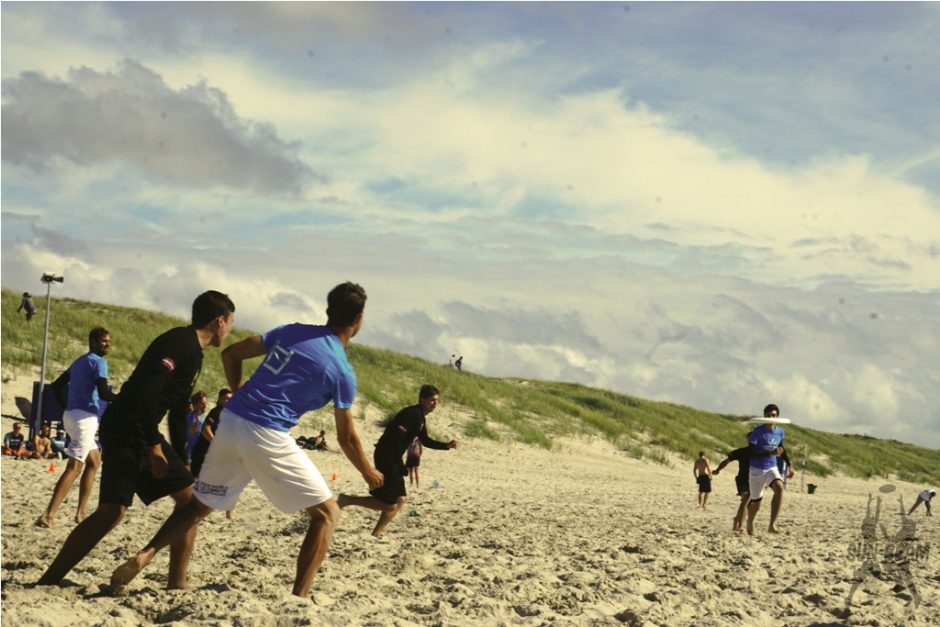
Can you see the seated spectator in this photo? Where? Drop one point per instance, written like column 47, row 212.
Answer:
column 42, row 444
column 14, row 442
column 194, row 421
column 59, row 442
column 320, row 442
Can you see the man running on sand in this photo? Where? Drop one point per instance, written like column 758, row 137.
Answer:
column 305, row 366
column 80, row 389
column 766, row 442
column 743, row 457
column 400, row 432
column 135, row 458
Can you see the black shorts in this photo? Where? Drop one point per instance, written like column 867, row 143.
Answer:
column 704, row 483
column 125, row 471
column 393, row 487
column 742, row 483
column 200, row 448
column 412, row 462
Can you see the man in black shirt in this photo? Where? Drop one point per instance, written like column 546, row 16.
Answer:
column 408, row 424
column 743, row 457
column 136, row 459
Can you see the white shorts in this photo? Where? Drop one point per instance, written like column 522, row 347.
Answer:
column 241, row 451
column 81, row 426
column 759, row 479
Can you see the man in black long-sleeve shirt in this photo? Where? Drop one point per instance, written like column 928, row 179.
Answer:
column 136, row 459
column 407, row 425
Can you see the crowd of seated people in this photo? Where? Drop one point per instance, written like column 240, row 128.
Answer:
column 41, row 446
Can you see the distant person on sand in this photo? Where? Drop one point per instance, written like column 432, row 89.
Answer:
column 14, row 442
column 27, row 304
column 194, row 421
column 413, row 462
column 408, row 424
column 136, row 459
column 80, row 389
column 924, row 497
column 320, row 442
column 766, row 443
column 703, row 476
column 305, row 366
column 451, row 361
column 743, row 457
column 209, row 426
column 459, row 364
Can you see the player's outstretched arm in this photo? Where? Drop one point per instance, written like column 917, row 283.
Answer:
column 234, row 355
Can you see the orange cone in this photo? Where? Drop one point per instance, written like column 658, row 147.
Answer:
column 51, row 466
column 334, row 477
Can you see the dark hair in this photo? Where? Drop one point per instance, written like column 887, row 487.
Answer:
column 197, row 396
column 210, row 305
column 427, row 391
column 224, row 391
column 769, row 409
column 26, row 294
column 96, row 335
column 344, row 303
column 701, row 453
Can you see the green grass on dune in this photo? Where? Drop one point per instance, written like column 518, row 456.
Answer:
column 529, row 411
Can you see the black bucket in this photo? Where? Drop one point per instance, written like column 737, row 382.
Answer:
column 811, row 488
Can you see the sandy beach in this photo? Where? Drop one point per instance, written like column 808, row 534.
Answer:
column 510, row 535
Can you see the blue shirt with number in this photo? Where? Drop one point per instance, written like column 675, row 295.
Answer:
column 763, row 441
column 305, row 368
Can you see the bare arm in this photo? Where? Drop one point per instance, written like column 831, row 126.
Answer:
column 234, row 355
column 352, row 448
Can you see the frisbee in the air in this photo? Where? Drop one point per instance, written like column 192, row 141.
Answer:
column 774, row 421
column 887, row 488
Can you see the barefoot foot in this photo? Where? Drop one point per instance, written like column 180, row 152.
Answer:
column 126, row 572
column 43, row 522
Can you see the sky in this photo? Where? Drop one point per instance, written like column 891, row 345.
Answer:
column 720, row 205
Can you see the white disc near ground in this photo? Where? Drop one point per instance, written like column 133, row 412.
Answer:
column 773, row 421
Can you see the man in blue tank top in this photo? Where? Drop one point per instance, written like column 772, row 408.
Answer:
column 304, row 368
column 79, row 390
column 765, row 444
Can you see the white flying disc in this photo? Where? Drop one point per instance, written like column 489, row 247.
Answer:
column 773, row 421
column 887, row 488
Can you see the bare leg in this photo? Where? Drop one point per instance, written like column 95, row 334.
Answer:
column 92, row 462
column 181, row 549
column 752, row 509
column 417, row 479
column 82, row 540
column 742, row 512
column 72, row 469
column 704, row 500
column 370, row 502
column 175, row 532
column 323, row 519
column 775, row 505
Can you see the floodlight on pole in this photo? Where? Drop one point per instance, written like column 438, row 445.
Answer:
column 48, row 278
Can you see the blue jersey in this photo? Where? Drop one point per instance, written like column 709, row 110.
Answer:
column 83, row 382
column 305, row 368
column 763, row 441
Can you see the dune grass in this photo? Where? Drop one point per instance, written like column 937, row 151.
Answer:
column 528, row 411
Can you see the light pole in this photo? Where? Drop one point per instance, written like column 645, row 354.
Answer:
column 48, row 278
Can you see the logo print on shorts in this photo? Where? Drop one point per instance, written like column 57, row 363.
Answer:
column 277, row 359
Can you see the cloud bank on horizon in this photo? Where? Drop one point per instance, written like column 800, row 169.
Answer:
column 720, row 205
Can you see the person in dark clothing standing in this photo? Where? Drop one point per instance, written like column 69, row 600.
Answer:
column 743, row 457
column 400, row 432
column 136, row 459
column 209, row 427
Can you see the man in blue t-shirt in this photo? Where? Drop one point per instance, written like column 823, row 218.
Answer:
column 304, row 368
column 765, row 444
column 80, row 389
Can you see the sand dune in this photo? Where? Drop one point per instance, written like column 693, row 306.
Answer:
column 511, row 535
